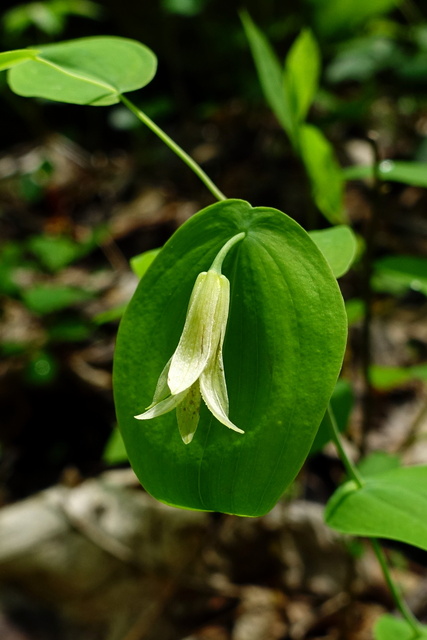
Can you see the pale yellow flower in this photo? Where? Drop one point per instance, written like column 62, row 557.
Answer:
column 196, row 368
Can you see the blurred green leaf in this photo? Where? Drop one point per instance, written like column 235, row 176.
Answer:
column 338, row 245
column 355, row 309
column 70, row 329
column 386, row 378
column 413, row 173
column 49, row 17
column 54, row 252
column 335, row 18
column 397, row 274
column 269, row 73
column 111, row 315
column 184, row 7
column 324, row 173
column 363, row 58
column 47, row 298
column 387, row 627
column 301, row 74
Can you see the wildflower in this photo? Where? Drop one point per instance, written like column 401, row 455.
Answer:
column 196, row 370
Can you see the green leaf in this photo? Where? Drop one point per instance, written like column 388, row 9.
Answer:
column 339, row 247
column 413, row 173
column 324, row 173
column 269, row 73
column 397, row 274
column 93, row 71
column 111, row 315
column 282, row 354
column 390, row 505
column 342, row 401
column 55, row 252
column 388, row 627
column 386, row 378
column 47, row 298
column 9, row 59
column 355, row 309
column 301, row 76
column 139, row 264
column 338, row 18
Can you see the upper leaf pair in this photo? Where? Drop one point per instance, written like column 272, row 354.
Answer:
column 94, row 71
column 290, row 91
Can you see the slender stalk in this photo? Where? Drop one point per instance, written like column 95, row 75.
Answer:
column 350, row 467
column 192, row 164
column 397, row 596
column 355, row 475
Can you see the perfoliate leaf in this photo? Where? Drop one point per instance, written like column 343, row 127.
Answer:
column 282, row 353
column 93, row 71
column 393, row 505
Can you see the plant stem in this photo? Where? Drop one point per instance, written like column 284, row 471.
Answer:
column 397, row 596
column 357, row 478
column 192, row 164
column 350, row 467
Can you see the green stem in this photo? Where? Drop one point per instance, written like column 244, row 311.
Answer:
column 350, row 467
column 397, row 596
column 217, row 263
column 355, row 475
column 192, row 164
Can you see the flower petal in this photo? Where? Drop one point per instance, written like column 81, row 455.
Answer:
column 162, row 390
column 214, row 391
column 162, row 407
column 200, row 335
column 187, row 413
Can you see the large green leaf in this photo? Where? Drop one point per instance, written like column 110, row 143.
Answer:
column 93, row 71
column 338, row 245
column 390, row 505
column 282, row 354
column 390, row 628
column 324, row 172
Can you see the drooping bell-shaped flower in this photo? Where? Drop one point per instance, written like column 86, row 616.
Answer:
column 196, row 368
